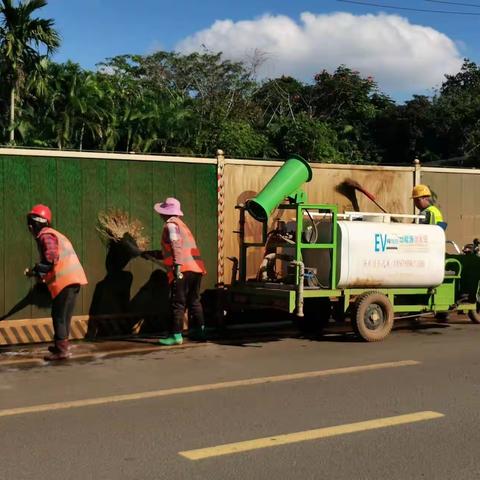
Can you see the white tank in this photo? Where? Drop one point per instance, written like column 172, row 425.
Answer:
column 390, row 255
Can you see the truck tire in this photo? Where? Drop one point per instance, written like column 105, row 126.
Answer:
column 372, row 316
column 474, row 315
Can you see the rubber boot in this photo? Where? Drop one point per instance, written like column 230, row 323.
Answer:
column 198, row 334
column 175, row 339
column 62, row 351
column 54, row 349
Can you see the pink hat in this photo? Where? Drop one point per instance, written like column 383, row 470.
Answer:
column 171, row 206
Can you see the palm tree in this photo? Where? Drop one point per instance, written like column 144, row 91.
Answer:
column 77, row 105
column 22, row 40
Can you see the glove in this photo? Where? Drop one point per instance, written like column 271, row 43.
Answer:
column 177, row 272
column 29, row 272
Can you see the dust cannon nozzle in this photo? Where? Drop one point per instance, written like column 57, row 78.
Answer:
column 288, row 179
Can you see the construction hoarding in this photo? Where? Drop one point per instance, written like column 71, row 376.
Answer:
column 132, row 298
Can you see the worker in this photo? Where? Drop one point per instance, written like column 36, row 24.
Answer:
column 422, row 197
column 185, row 269
column 60, row 269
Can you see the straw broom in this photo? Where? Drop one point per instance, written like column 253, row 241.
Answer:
column 116, row 226
column 348, row 188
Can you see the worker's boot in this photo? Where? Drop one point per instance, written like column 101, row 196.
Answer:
column 61, row 351
column 175, row 339
column 198, row 334
column 54, row 349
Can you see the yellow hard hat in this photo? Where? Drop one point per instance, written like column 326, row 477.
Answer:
column 421, row 191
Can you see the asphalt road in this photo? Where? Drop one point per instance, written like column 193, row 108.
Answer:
column 114, row 430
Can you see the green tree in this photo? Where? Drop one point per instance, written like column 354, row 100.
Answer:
column 239, row 138
column 350, row 104
column 22, row 38
column 77, row 106
column 309, row 137
column 282, row 97
column 147, row 113
column 214, row 90
column 457, row 113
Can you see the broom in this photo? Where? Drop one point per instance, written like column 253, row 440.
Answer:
column 116, row 226
column 349, row 186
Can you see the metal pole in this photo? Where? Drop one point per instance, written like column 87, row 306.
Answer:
column 220, row 218
column 416, row 178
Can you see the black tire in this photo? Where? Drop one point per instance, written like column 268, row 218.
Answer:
column 474, row 315
column 372, row 316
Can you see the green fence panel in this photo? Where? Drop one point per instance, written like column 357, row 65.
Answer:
column 206, row 217
column 140, row 181
column 93, row 201
column 163, row 186
column 43, row 189
column 18, row 246
column 2, row 239
column 185, row 191
column 67, row 214
column 117, row 185
column 77, row 189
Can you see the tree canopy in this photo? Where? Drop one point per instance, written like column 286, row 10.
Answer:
column 169, row 102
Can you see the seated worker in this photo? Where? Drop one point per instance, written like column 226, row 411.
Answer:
column 422, row 197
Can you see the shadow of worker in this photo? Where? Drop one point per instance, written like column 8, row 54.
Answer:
column 112, row 294
column 152, row 304
column 38, row 296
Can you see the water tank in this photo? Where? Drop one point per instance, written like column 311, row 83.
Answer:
column 390, row 255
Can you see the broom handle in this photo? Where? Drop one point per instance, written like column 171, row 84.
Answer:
column 378, row 205
column 372, row 198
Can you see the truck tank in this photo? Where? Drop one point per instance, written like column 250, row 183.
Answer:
column 372, row 254
column 391, row 255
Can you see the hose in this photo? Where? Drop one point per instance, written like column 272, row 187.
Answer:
column 267, row 261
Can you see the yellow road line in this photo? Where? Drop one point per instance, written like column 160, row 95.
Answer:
column 202, row 388
column 316, row 434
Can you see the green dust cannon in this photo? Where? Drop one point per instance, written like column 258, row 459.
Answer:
column 285, row 183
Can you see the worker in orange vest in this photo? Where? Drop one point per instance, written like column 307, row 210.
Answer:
column 185, row 269
column 60, row 269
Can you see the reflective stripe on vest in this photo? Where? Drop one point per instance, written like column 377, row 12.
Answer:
column 435, row 214
column 68, row 270
column 191, row 260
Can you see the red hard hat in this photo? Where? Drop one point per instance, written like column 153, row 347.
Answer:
column 42, row 211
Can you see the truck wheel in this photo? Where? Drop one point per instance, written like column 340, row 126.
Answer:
column 474, row 315
column 372, row 318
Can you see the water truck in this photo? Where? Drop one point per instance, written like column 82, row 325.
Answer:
column 319, row 264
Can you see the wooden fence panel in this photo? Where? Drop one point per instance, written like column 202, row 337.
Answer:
column 457, row 192
column 391, row 186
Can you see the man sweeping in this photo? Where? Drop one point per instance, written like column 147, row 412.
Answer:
column 60, row 269
column 185, row 269
column 422, row 197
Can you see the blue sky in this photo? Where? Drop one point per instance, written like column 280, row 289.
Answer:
column 377, row 44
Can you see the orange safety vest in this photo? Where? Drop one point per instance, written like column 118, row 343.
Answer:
column 191, row 259
column 68, row 269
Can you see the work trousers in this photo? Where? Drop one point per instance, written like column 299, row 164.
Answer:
column 185, row 294
column 62, row 310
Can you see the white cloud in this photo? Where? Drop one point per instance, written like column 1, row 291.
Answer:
column 404, row 58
